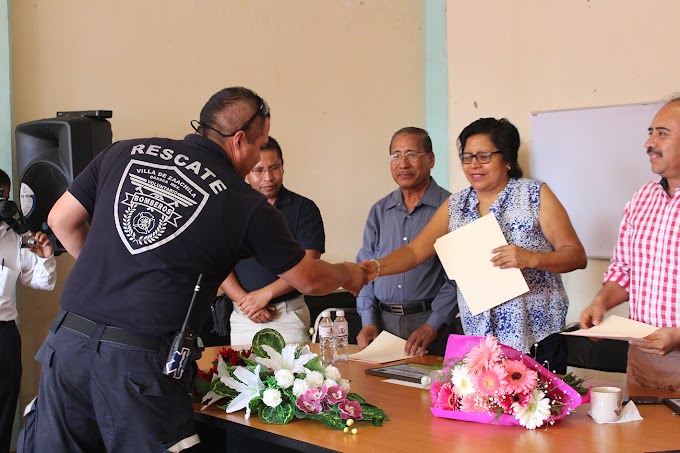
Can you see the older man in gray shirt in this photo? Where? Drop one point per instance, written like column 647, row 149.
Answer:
column 419, row 305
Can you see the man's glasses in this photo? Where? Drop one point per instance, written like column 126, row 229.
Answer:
column 412, row 156
column 271, row 169
column 262, row 110
column 483, row 157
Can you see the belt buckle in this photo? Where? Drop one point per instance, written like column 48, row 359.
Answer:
column 397, row 309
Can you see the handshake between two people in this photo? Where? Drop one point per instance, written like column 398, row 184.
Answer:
column 311, row 276
column 360, row 275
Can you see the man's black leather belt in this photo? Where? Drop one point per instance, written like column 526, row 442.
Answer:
column 410, row 308
column 111, row 334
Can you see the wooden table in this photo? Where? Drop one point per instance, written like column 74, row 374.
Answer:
column 412, row 428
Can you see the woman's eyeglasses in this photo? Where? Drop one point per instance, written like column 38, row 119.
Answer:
column 483, row 157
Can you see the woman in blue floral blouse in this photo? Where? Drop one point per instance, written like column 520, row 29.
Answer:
column 542, row 242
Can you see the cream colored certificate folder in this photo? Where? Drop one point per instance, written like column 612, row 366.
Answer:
column 466, row 257
column 616, row 328
column 385, row 348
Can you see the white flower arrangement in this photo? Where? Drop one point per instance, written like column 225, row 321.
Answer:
column 281, row 382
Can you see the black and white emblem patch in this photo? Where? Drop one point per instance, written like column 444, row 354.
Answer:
column 154, row 204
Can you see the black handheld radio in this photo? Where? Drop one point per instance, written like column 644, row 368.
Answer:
column 183, row 342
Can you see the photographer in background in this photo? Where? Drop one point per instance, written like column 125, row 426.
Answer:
column 37, row 268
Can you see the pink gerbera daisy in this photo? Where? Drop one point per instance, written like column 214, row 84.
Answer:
column 474, row 403
column 481, row 356
column 434, row 391
column 491, row 380
column 520, row 379
column 507, row 400
column 447, row 398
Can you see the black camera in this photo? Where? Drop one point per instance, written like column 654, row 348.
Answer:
column 11, row 214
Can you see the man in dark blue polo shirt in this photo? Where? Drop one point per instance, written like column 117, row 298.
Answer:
column 262, row 299
column 144, row 220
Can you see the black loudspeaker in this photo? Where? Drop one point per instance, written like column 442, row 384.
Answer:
column 50, row 153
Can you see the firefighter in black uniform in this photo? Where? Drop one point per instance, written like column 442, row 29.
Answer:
column 161, row 213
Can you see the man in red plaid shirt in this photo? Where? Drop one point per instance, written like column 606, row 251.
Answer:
column 645, row 265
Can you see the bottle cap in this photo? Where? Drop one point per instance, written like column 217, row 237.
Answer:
column 325, row 314
column 339, row 313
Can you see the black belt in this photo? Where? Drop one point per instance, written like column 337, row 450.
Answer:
column 111, row 334
column 410, row 308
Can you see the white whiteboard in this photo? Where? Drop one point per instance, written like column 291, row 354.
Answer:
column 594, row 160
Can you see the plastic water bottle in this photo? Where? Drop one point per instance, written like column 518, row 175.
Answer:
column 326, row 338
column 341, row 335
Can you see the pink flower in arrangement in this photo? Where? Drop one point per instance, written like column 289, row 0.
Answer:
column 507, row 400
column 434, row 391
column 336, row 394
column 474, row 403
column 480, row 357
column 520, row 379
column 447, row 398
column 310, row 401
column 350, row 409
column 308, row 406
column 491, row 380
column 317, row 394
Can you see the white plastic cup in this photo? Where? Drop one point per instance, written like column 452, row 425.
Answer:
column 606, row 404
